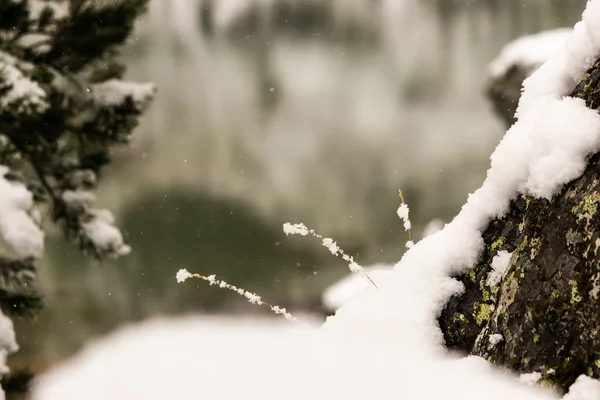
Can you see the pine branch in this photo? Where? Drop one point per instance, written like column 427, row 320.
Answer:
column 18, row 296
column 17, row 382
column 91, row 30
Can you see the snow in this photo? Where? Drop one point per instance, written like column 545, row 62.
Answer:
column 584, row 388
column 403, row 214
column 331, row 245
column 101, row 230
column 495, row 339
column 556, row 158
column 565, row 68
column 25, row 95
column 530, row 379
column 346, row 288
column 78, row 197
column 529, row 52
column 99, row 223
column 8, row 345
column 228, row 358
column 433, row 226
column 113, row 93
column 295, row 229
column 354, row 267
column 499, row 265
column 17, row 225
column 183, row 274
column 385, row 342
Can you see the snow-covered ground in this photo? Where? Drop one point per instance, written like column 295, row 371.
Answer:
column 385, row 341
column 203, row 358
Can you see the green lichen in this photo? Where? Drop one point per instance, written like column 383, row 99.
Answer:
column 590, row 205
column 461, row 318
column 482, row 313
column 472, row 275
column 495, row 290
column 575, row 297
column 498, row 243
column 529, row 316
column 485, row 295
column 597, row 362
column 527, row 201
column 588, row 83
column 536, row 338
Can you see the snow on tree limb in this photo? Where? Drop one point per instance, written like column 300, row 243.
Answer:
column 17, row 225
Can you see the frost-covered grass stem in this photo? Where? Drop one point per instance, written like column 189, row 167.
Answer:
column 301, row 229
column 403, row 214
column 184, row 274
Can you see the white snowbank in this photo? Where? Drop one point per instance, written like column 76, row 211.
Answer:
column 584, row 388
column 384, row 343
column 529, row 52
column 199, row 358
column 433, row 226
column 17, row 226
column 530, row 379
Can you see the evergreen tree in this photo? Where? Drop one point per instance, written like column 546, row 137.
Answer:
column 63, row 106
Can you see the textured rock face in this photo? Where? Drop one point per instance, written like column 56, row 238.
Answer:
column 547, row 306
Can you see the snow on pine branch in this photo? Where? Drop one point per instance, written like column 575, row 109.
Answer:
column 114, row 92
column 18, row 92
column 103, row 233
column 18, row 219
column 97, row 225
column 8, row 345
column 328, row 243
column 183, row 275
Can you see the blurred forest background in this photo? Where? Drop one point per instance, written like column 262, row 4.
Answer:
column 271, row 111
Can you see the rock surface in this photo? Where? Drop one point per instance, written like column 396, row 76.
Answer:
column 547, row 306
